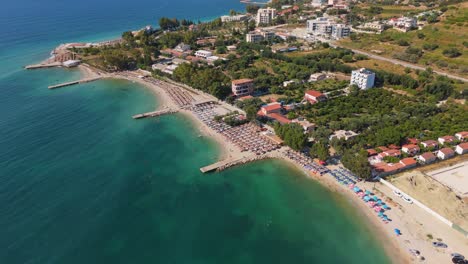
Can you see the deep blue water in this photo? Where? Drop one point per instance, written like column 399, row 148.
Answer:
column 82, row 182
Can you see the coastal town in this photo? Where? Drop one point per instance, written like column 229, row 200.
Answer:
column 357, row 95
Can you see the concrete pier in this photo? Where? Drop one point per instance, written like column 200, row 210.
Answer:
column 75, row 82
column 155, row 113
column 228, row 163
column 43, row 65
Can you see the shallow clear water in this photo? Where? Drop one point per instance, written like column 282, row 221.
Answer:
column 82, row 182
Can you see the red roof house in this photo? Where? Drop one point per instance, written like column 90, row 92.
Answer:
column 408, row 162
column 462, row 148
column 445, row 153
column 410, row 149
column 462, row 135
column 446, row 139
column 430, row 144
column 280, row 118
column 426, row 158
column 314, row 96
column 271, row 108
column 391, row 153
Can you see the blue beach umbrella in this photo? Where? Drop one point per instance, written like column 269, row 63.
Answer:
column 368, row 192
column 397, row 231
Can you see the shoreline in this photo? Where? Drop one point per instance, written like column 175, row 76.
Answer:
column 227, row 150
column 395, row 252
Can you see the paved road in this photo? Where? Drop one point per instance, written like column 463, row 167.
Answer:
column 402, row 63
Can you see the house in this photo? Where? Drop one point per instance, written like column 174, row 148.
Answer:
column 403, row 23
column 231, row 47
column 306, row 125
column 271, row 108
column 462, row 148
column 462, row 136
column 384, row 168
column 317, row 77
column 203, row 54
column 343, row 134
column 313, row 96
column 390, row 153
column 426, row 158
column 371, row 152
column 363, row 78
column 340, row 31
column 280, row 118
column 430, row 144
column 410, row 149
column 408, row 163
column 445, row 153
column 412, row 141
column 446, row 140
column 182, row 47
column 287, row 83
column 382, row 148
column 242, row 87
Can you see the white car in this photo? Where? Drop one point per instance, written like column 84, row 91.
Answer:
column 397, row 193
column 408, row 200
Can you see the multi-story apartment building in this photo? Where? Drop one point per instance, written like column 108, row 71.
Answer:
column 242, row 87
column 363, row 78
column 265, row 15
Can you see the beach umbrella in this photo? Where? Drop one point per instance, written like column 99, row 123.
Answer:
column 379, row 202
column 397, row 231
column 371, row 203
column 376, row 198
column 377, row 208
column 381, row 214
column 356, row 189
column 351, row 185
column 385, row 207
column 368, row 192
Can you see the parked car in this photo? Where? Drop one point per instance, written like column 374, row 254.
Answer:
column 407, row 199
column 457, row 255
column 439, row 244
column 459, row 260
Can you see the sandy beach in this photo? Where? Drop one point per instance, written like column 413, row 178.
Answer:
column 397, row 247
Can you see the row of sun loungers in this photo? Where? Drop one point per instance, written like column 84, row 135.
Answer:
column 180, row 96
column 245, row 136
column 306, row 162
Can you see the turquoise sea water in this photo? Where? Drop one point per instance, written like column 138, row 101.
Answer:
column 82, row 182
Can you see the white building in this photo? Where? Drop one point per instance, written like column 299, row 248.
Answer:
column 445, row 153
column 325, row 27
column 320, row 26
column 403, row 23
column 265, row 15
column 314, row 77
column 462, row 148
column 318, row 3
column 235, row 18
column 71, row 63
column 258, row 36
column 363, row 78
column 182, row 47
column 375, row 25
column 203, row 54
column 340, row 31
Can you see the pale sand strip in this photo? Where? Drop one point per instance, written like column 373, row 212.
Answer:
column 395, row 247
